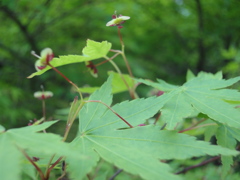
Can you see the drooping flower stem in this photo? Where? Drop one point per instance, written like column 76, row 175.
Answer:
column 120, row 73
column 43, row 105
column 120, row 37
column 123, row 53
column 61, row 74
column 112, row 111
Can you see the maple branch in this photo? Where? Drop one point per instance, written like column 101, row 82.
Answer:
column 157, row 118
column 33, row 163
column 198, row 165
column 164, row 125
column 112, row 111
column 53, row 165
column 115, row 174
column 49, row 163
column 193, row 126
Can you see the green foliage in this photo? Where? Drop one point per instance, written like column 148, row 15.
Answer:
column 120, row 135
column 204, row 94
column 15, row 141
column 159, row 137
column 99, row 135
column 226, row 139
column 118, row 84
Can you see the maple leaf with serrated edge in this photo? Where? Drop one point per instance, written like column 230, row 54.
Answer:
column 136, row 150
column 93, row 50
column 225, row 139
column 27, row 139
column 204, row 94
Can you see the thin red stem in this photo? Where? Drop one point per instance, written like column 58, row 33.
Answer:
column 108, row 59
column 193, row 126
column 44, row 109
column 123, row 53
column 51, row 167
column 43, row 105
column 61, row 74
column 33, row 163
column 112, row 111
column 120, row 37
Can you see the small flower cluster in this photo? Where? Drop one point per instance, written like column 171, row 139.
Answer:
column 46, row 55
column 117, row 21
column 43, row 95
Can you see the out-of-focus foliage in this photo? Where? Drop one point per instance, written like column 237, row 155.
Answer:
column 163, row 39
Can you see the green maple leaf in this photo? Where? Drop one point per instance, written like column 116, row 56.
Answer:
column 137, row 150
column 204, row 94
column 93, row 50
column 27, row 139
column 226, row 139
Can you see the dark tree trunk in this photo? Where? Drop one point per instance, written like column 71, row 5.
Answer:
column 201, row 48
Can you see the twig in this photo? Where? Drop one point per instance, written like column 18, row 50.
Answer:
column 115, row 55
column 193, row 126
column 157, row 118
column 198, row 165
column 112, row 111
column 33, row 163
column 53, row 165
column 116, row 173
column 164, row 125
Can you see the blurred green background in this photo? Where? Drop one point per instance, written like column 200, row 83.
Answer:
column 163, row 39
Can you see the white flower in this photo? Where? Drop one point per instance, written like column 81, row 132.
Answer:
column 117, row 21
